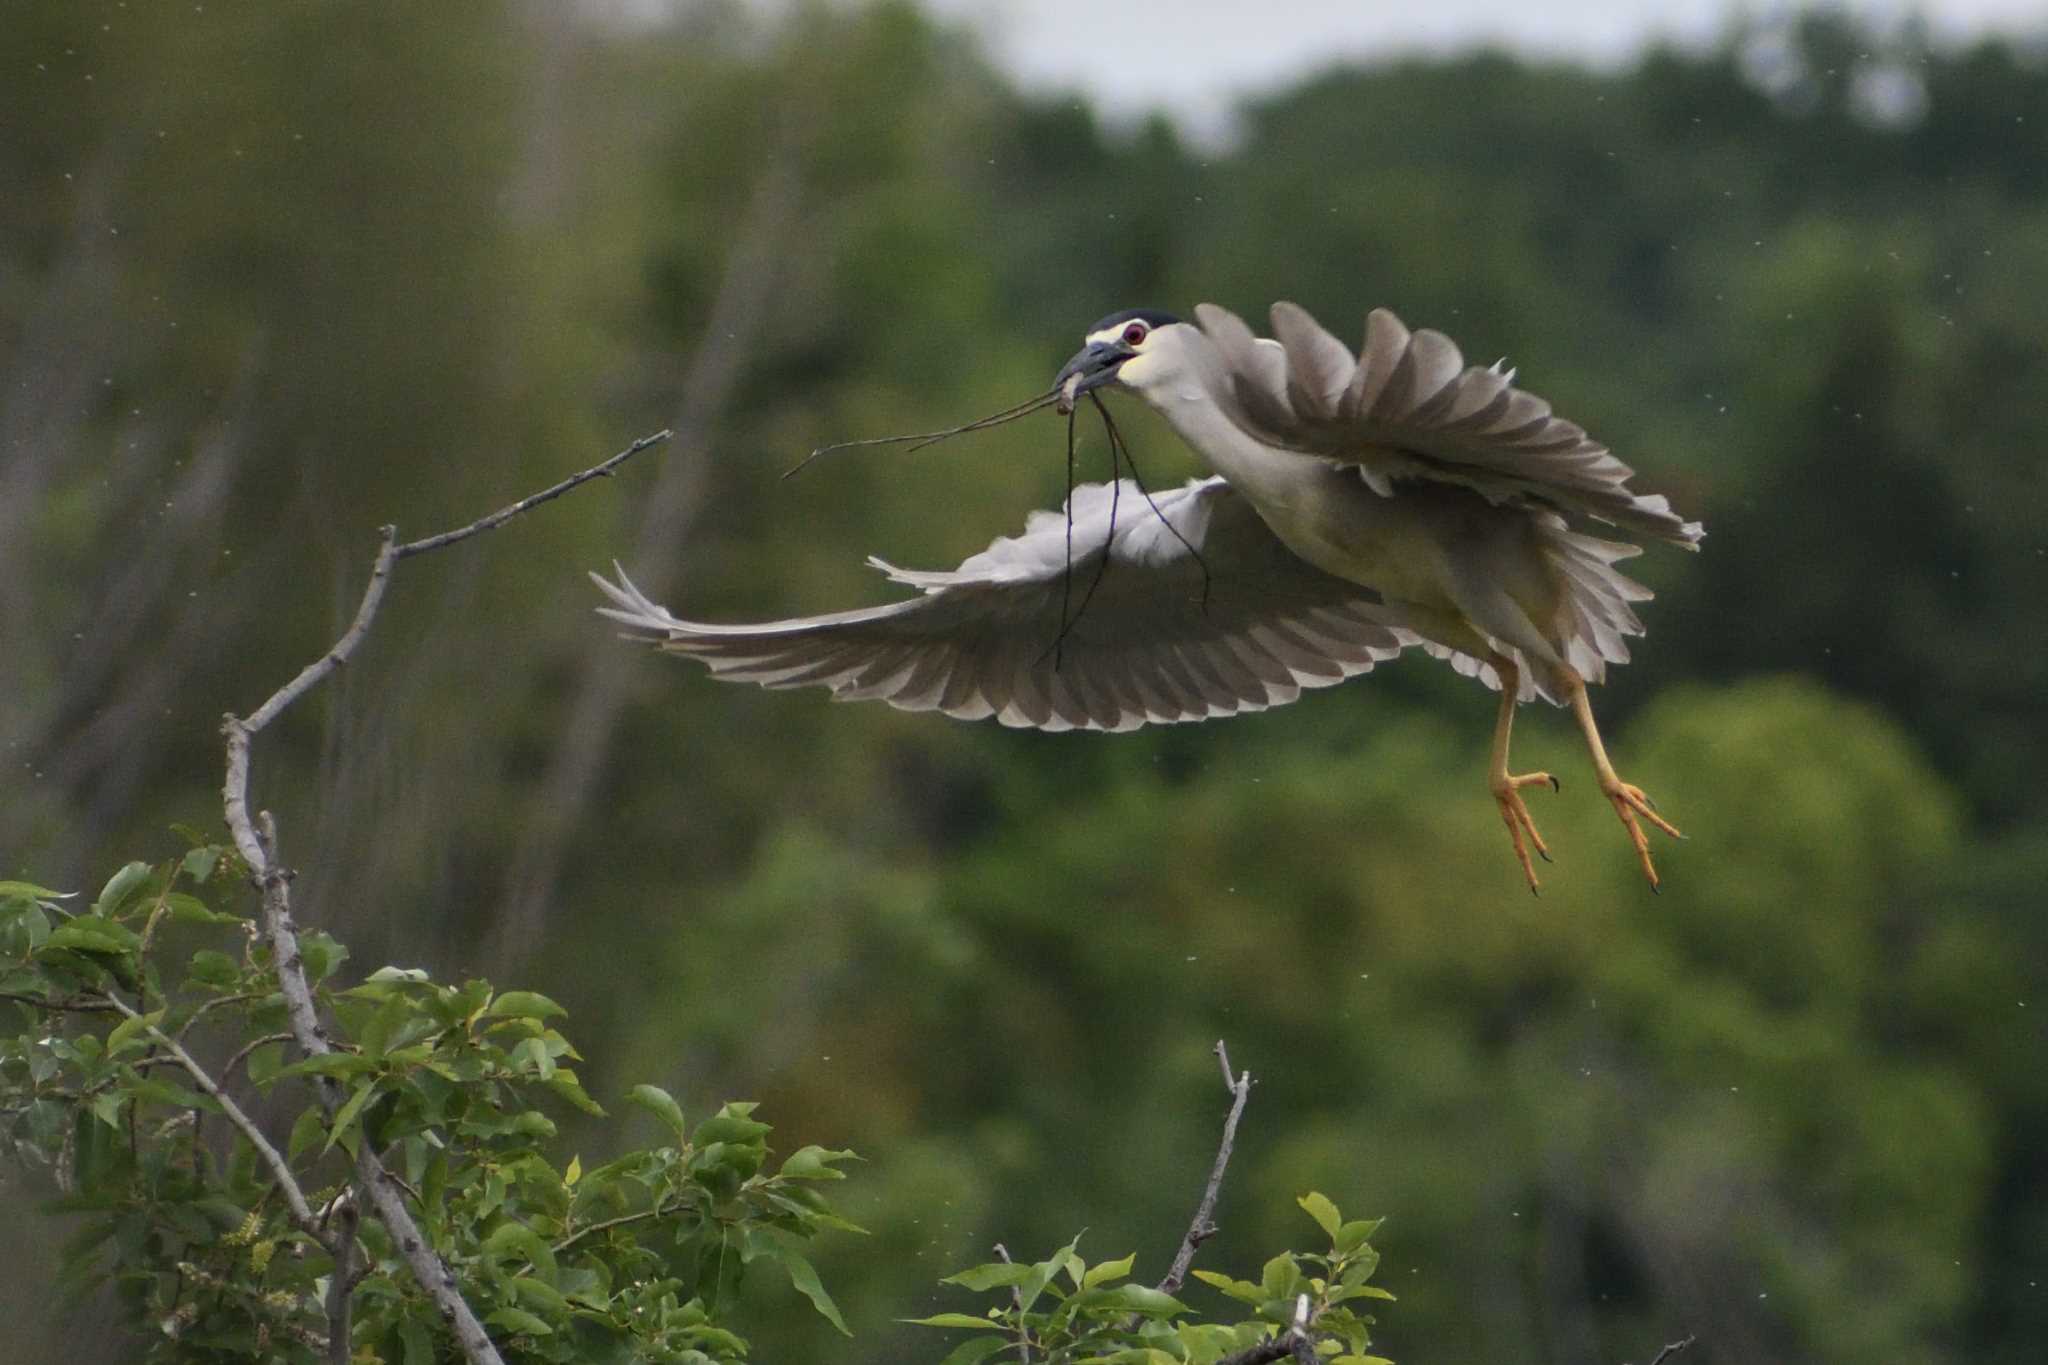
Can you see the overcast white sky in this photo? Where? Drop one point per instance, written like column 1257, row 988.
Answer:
column 1196, row 57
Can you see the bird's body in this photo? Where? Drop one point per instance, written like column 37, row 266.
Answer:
column 1360, row 506
column 1472, row 557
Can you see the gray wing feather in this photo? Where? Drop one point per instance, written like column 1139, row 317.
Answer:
column 1409, row 407
column 977, row 641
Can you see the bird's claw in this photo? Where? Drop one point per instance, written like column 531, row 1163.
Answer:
column 1629, row 803
column 1515, row 815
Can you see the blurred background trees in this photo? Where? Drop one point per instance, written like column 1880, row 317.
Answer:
column 269, row 281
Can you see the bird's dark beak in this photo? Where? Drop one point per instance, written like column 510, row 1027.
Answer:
column 1093, row 366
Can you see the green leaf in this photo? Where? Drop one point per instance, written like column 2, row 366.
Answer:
column 518, row 1242
column 994, row 1275
column 322, row 954
column 210, row 967
column 540, row 1294
column 131, row 1028
column 264, row 1062
column 727, row 1127
column 533, row 1124
column 519, row 1320
column 1244, row 1291
column 565, row 1084
column 661, row 1104
column 30, row 891
column 1354, row 1235
column 120, row 887
column 418, row 1342
column 1140, row 1298
column 157, row 1090
column 804, row 1276
column 34, row 922
column 1108, row 1271
column 306, row 1130
column 1323, row 1211
column 966, row 1320
column 1359, row 1265
column 186, row 908
column 107, row 1107
column 346, row 1115
column 531, row 1057
column 524, row 1005
column 200, row 862
column 90, row 934
column 815, row 1163
column 1041, row 1275
column 975, row 1350
column 341, row 1065
column 1280, row 1278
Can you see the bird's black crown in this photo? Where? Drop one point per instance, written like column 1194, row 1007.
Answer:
column 1151, row 317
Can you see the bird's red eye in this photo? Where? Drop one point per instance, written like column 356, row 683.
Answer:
column 1134, row 334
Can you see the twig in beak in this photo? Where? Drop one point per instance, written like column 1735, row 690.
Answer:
column 921, row 439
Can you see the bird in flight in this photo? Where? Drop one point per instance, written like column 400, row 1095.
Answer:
column 1360, row 505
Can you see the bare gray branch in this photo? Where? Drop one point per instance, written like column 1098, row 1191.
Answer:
column 280, row 1171
column 256, row 839
column 1204, row 1226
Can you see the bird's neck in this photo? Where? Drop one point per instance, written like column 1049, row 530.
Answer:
column 1265, row 475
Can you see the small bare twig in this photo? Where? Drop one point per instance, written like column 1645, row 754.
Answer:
column 1017, row 1298
column 259, row 849
column 505, row 514
column 1204, row 1227
column 206, row 1007
column 920, row 439
column 1673, row 1348
column 593, row 1229
column 242, row 1053
column 309, row 677
column 287, row 1183
column 341, row 1282
column 62, row 1006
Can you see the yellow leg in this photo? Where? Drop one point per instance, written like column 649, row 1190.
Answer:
column 1507, row 787
column 1629, row 801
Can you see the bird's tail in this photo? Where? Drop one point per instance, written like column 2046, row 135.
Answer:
column 632, row 607
column 1597, row 610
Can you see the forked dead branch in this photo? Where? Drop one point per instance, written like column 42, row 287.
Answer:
column 256, row 839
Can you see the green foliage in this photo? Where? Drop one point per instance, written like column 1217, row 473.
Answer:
column 639, row 1257
column 1063, row 1311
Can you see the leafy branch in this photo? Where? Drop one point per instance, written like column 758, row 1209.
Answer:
column 1063, row 1311
column 414, row 1198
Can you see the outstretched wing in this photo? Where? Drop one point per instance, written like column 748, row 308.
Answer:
column 1201, row 612
column 1409, row 407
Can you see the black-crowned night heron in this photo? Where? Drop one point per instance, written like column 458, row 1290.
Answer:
column 1361, row 505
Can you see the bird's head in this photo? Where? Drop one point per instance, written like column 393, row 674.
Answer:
column 1117, row 349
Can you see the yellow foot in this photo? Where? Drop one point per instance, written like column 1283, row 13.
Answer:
column 1629, row 802
column 1507, row 791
